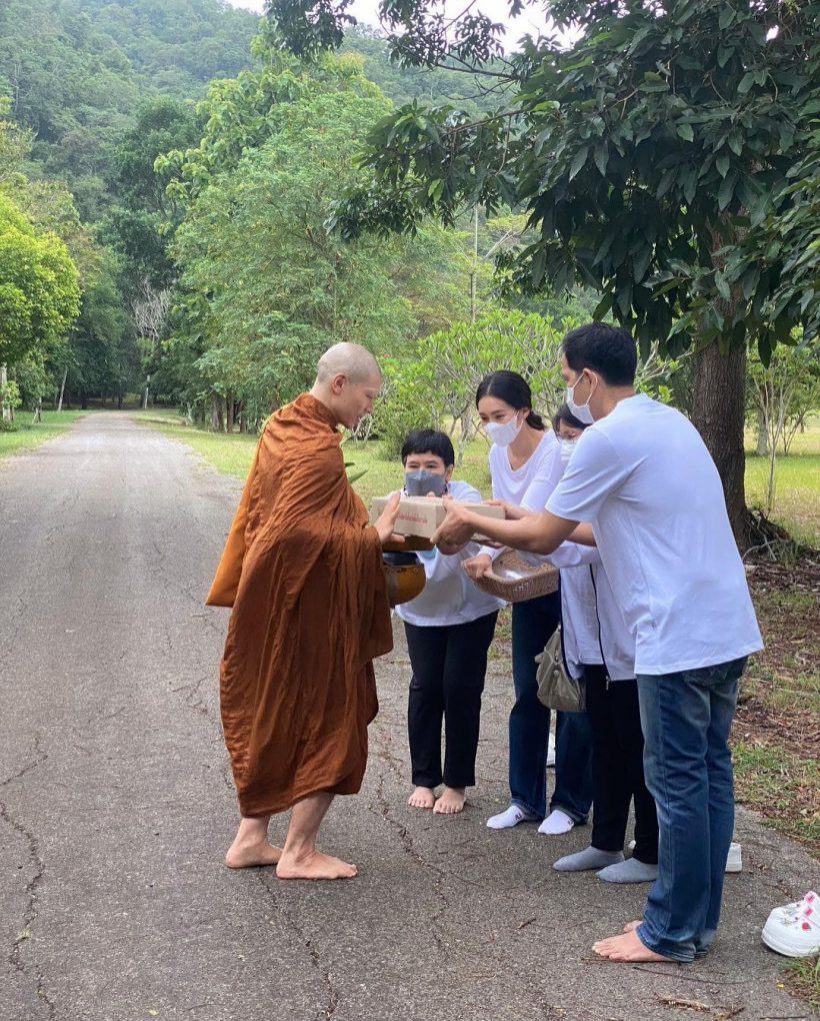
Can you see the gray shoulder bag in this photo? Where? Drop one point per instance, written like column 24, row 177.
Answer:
column 556, row 689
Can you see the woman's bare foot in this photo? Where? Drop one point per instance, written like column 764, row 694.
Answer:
column 451, row 801
column 422, row 797
column 245, row 854
column 627, row 947
column 314, row 865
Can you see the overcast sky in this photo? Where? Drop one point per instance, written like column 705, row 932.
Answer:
column 366, row 11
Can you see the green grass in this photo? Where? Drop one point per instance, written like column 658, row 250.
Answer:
column 29, row 434
column 803, row 978
column 778, row 784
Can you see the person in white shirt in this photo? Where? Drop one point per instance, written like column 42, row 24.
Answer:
column 642, row 480
column 600, row 650
column 449, row 627
column 525, row 466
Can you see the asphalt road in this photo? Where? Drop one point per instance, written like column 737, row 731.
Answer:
column 116, row 808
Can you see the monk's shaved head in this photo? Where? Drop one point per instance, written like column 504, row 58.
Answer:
column 348, row 381
column 350, row 360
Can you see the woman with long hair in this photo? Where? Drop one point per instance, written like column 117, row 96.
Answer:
column 525, row 466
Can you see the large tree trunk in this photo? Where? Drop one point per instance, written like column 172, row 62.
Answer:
column 718, row 413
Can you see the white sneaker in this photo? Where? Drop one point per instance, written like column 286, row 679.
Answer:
column 551, row 752
column 511, row 816
column 556, row 822
column 797, row 906
column 734, row 861
column 793, row 935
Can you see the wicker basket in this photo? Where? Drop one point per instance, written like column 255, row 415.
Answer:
column 515, row 579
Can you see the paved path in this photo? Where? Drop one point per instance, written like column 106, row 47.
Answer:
column 116, row 807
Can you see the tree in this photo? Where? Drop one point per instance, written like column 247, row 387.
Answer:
column 644, row 153
column 264, row 285
column 39, row 288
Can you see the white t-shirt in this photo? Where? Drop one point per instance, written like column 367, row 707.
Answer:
column 530, row 485
column 644, row 479
column 449, row 596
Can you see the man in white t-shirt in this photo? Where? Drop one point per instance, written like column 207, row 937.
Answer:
column 643, row 480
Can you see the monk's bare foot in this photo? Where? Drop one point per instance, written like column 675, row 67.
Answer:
column 627, row 947
column 451, row 801
column 632, row 926
column 314, row 865
column 422, row 797
column 245, row 854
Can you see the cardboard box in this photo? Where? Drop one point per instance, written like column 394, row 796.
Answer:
column 420, row 516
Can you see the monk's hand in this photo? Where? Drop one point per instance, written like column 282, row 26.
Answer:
column 386, row 521
column 456, row 529
column 477, row 567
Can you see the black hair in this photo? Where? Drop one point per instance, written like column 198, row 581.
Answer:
column 607, row 350
column 563, row 414
column 429, row 441
column 513, row 390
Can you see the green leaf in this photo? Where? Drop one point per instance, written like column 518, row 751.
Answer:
column 746, row 82
column 726, row 190
column 685, row 131
column 578, row 162
column 722, row 164
column 727, row 16
column 722, row 286
column 601, row 157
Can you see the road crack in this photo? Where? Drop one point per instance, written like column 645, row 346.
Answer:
column 32, row 888
column 314, row 954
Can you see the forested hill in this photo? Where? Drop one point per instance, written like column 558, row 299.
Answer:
column 77, row 71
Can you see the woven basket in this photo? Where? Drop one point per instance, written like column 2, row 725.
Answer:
column 513, row 578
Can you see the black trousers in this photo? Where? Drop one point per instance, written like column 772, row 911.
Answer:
column 617, row 767
column 449, row 664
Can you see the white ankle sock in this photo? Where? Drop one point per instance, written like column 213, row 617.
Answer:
column 555, row 823
column 511, row 816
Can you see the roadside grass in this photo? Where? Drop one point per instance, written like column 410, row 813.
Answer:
column 31, row 434
column 776, row 731
column 803, row 978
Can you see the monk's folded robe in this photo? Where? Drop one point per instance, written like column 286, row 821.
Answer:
column 303, row 571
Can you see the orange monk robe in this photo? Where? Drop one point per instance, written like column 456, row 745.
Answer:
column 303, row 571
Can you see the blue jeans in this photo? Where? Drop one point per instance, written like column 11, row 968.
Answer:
column 686, row 718
column 532, row 624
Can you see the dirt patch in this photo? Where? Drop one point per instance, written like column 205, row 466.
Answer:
column 776, row 734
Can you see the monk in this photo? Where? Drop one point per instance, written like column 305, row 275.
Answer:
column 303, row 571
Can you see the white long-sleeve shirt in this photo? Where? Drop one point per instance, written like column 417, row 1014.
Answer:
column 449, row 596
column 594, row 629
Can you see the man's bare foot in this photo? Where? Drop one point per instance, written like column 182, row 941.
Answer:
column 244, row 854
column 631, row 926
column 627, row 947
column 451, row 801
column 422, row 797
column 314, row 865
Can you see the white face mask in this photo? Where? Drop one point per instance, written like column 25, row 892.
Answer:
column 567, row 447
column 502, row 434
column 580, row 411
